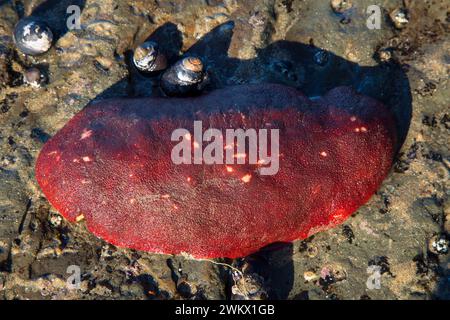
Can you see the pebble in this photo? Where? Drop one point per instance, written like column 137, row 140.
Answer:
column 399, row 17
column 33, row 77
column 340, row 6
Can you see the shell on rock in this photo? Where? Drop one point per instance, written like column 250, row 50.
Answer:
column 186, row 77
column 32, row 36
column 148, row 58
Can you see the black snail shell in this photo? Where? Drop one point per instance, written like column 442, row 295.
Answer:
column 32, row 36
column 186, row 77
column 148, row 58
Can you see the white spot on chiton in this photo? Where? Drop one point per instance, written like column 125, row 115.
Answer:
column 361, row 129
column 229, row 169
column 246, row 178
column 86, row 134
column 323, row 154
column 86, row 159
column 79, row 218
column 353, row 119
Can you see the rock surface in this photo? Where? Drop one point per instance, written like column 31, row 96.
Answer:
column 303, row 44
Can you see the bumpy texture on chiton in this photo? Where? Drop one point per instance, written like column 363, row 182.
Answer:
column 112, row 164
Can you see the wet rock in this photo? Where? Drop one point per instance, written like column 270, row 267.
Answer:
column 382, row 262
column 348, row 233
column 5, row 77
column 248, row 286
column 447, row 216
column 13, row 208
column 321, row 58
column 185, row 288
column 90, row 64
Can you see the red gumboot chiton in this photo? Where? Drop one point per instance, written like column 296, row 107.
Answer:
column 112, row 164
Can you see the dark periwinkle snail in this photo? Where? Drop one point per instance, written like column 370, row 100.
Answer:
column 186, row 77
column 148, row 58
column 32, row 36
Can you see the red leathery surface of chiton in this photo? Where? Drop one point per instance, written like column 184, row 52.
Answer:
column 112, row 164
